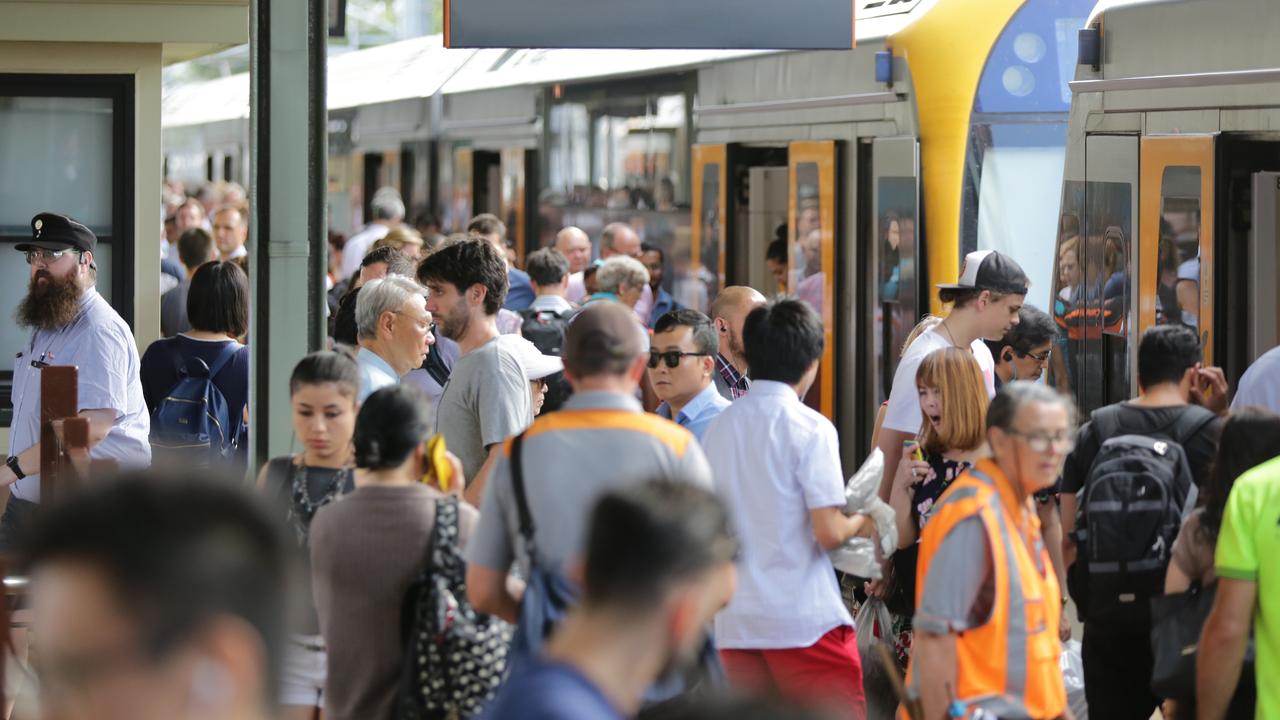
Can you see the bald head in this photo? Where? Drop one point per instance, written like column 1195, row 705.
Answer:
column 574, row 244
column 619, row 239
column 728, row 312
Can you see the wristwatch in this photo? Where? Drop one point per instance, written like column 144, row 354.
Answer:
column 12, row 462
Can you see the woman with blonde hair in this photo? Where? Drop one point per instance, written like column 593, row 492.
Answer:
column 405, row 239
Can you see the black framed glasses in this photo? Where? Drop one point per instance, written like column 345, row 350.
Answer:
column 1041, row 358
column 671, row 357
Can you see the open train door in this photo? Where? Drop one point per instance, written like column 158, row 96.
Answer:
column 518, row 167
column 1176, row 256
column 889, row 275
column 812, row 273
column 1264, row 266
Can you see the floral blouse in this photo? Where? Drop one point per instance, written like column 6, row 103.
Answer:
column 942, row 472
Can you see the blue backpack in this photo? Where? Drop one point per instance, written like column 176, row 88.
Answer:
column 192, row 424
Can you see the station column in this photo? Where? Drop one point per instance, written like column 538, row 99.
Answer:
column 288, row 222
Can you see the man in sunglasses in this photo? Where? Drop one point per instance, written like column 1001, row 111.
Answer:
column 1024, row 351
column 681, row 365
column 70, row 324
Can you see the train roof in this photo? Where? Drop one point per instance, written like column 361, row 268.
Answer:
column 422, row 67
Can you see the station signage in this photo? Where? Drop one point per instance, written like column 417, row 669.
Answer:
column 667, row 24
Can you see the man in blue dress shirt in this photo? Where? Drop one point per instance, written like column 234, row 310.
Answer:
column 656, row 260
column 681, row 366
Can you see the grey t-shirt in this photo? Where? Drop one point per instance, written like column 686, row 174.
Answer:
column 485, row 401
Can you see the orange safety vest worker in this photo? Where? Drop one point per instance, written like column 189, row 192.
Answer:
column 1008, row 665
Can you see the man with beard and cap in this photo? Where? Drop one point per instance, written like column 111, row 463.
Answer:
column 728, row 311
column 70, row 324
column 486, row 398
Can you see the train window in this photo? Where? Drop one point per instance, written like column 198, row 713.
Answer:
column 812, row 214
column 699, row 268
column 1178, row 261
column 896, row 295
column 55, row 148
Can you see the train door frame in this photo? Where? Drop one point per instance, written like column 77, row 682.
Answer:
column 825, row 156
column 704, row 156
column 881, row 159
column 1159, row 154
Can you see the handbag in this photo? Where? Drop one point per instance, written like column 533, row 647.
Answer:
column 1176, row 622
column 455, row 658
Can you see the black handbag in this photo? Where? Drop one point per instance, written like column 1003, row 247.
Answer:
column 455, row 658
column 1176, row 622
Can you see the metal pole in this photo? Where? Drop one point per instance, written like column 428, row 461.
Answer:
column 287, row 215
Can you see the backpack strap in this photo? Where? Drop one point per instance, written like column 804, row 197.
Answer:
column 435, row 367
column 1106, row 423
column 1190, row 423
column 225, row 355
column 517, row 485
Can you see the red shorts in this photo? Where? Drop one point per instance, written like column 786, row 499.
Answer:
column 828, row 673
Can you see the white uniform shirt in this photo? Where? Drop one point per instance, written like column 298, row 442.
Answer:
column 1260, row 384
column 773, row 460
column 903, row 413
column 101, row 345
column 357, row 246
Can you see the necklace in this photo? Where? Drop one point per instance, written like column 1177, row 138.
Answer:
column 947, row 330
column 304, row 506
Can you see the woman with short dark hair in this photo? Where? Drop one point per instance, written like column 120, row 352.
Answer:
column 218, row 308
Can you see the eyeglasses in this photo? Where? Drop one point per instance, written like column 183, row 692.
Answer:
column 1041, row 442
column 671, row 357
column 46, row 256
column 1041, row 358
column 423, row 324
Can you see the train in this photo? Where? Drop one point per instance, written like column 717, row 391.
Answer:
column 1169, row 199
column 945, row 130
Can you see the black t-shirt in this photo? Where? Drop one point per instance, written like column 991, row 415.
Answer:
column 1139, row 420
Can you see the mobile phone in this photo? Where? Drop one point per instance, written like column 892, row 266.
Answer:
column 913, row 447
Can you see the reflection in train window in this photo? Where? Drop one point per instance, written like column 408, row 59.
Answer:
column 1178, row 262
column 807, row 276
column 703, row 277
column 1092, row 292
column 896, row 310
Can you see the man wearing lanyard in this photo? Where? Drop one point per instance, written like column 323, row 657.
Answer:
column 70, row 324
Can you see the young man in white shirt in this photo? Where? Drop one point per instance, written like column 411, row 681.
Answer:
column 776, row 462
column 985, row 303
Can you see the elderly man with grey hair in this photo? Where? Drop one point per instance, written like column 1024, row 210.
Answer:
column 387, row 210
column 622, row 279
column 393, row 328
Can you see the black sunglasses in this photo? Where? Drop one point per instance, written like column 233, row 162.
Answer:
column 671, row 357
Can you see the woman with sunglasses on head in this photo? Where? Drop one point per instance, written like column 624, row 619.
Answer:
column 322, row 391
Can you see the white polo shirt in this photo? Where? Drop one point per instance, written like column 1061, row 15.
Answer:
column 773, row 460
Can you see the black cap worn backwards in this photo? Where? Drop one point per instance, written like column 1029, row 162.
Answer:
column 50, row 231
column 990, row 270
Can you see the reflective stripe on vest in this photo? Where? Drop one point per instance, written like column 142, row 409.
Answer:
column 998, row 666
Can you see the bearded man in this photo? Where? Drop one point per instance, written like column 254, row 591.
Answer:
column 70, row 324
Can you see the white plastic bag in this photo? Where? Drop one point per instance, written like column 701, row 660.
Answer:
column 1072, row 667
column 873, row 625
column 865, row 483
column 861, row 495
column 857, row 557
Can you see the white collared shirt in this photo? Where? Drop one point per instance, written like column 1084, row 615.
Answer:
column 773, row 460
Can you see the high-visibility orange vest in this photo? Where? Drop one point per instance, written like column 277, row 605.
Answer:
column 1008, row 666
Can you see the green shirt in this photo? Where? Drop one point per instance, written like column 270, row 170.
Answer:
column 1249, row 549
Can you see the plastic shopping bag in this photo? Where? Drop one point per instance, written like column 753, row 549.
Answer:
column 872, row 626
column 1072, row 667
column 857, row 557
column 865, row 483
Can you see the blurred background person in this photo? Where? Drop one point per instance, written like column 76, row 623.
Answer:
column 621, row 279
column 404, row 239
column 388, row 212
column 195, row 248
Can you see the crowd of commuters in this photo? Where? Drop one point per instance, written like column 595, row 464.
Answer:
column 637, row 488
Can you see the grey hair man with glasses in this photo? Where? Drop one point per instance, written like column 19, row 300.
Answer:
column 70, row 323
column 393, row 328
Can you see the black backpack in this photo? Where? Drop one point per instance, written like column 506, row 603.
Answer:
column 546, row 328
column 1138, row 491
column 455, row 659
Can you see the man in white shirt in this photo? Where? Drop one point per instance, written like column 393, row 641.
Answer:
column 394, row 331
column 388, row 212
column 1260, row 384
column 575, row 246
column 776, row 463
column 984, row 305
